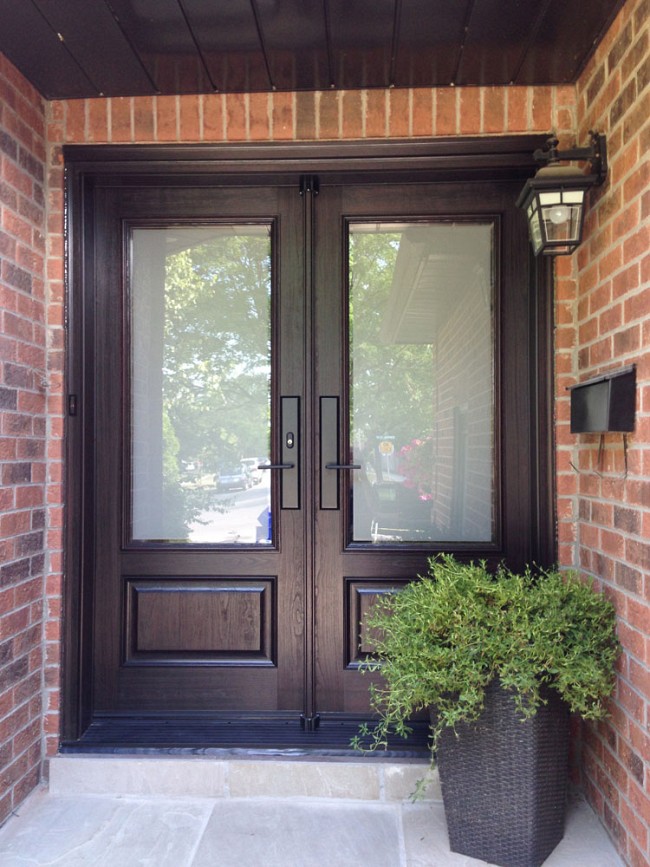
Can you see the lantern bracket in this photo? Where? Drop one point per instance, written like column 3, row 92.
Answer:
column 595, row 154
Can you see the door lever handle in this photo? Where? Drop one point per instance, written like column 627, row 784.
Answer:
column 275, row 466
column 342, row 466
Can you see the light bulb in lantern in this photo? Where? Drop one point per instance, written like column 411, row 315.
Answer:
column 558, row 214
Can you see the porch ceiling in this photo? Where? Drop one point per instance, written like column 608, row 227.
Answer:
column 87, row 48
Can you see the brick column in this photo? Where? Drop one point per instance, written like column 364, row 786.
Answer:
column 24, row 380
column 603, row 316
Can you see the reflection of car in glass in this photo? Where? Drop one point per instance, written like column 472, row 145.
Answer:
column 234, row 478
column 251, row 465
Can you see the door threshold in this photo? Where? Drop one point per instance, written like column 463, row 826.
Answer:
column 246, row 735
column 350, row 755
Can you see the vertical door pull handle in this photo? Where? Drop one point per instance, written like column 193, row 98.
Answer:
column 330, row 453
column 289, row 457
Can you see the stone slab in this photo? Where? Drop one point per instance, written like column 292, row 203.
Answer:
column 303, row 834
column 78, row 831
column 125, row 775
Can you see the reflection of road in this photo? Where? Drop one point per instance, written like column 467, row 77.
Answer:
column 235, row 516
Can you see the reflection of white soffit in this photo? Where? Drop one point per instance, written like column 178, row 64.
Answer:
column 436, row 266
column 180, row 238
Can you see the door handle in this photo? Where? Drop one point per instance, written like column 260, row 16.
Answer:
column 329, row 453
column 289, row 455
column 275, row 466
column 290, row 432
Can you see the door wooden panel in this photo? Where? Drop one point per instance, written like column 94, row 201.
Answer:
column 258, row 641
column 221, row 622
column 360, row 596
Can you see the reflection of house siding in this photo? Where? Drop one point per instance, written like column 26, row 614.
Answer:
column 441, row 298
column 462, row 473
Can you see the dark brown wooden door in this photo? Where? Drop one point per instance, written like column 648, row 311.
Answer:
column 372, row 343
column 199, row 555
column 422, row 357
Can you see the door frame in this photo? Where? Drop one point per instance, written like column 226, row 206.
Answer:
column 87, row 167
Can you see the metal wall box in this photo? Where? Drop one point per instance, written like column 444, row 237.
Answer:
column 605, row 404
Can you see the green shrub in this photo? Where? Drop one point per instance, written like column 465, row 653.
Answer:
column 445, row 637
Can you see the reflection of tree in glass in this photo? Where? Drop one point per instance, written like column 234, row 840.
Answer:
column 392, row 383
column 216, row 364
column 175, row 505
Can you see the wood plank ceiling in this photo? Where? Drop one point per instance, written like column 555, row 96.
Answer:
column 87, row 48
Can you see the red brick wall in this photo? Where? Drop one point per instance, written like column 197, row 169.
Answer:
column 323, row 116
column 603, row 317
column 23, row 427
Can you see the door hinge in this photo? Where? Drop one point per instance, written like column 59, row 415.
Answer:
column 72, row 404
column 309, row 184
column 309, row 723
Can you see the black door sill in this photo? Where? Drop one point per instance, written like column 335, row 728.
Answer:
column 253, row 734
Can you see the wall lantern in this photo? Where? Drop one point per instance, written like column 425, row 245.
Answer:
column 554, row 200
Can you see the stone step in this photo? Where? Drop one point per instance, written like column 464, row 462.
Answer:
column 372, row 779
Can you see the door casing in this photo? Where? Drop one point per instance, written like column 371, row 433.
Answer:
column 507, row 159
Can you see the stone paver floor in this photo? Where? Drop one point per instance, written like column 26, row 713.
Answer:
column 136, row 831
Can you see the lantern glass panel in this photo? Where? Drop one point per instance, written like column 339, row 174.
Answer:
column 550, row 198
column 562, row 222
column 573, row 197
column 535, row 228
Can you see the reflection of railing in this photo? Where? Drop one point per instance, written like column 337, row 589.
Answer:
column 376, row 536
column 397, row 513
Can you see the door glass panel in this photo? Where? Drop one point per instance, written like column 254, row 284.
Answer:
column 422, row 381
column 200, row 328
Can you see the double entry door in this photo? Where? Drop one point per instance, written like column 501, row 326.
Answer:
column 296, row 391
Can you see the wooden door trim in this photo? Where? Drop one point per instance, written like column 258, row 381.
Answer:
column 459, row 158
column 90, row 167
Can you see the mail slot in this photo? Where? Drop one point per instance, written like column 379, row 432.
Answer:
column 605, row 404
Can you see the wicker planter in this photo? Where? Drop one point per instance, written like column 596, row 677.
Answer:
column 504, row 781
